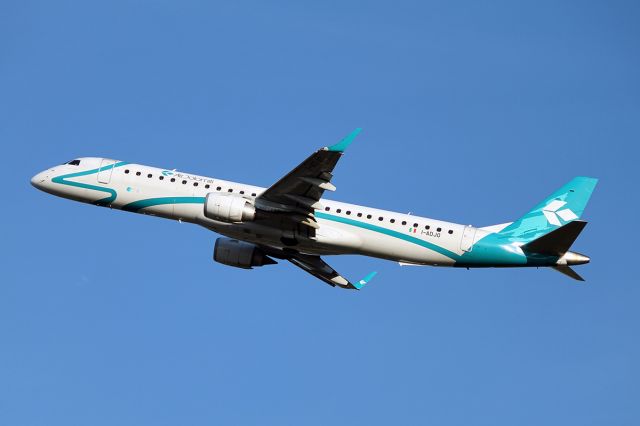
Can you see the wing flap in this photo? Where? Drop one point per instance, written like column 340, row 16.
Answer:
column 320, row 183
column 305, row 201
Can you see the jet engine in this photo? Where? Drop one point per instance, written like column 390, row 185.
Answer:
column 239, row 254
column 228, row 208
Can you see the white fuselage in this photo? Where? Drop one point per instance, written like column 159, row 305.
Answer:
column 343, row 228
column 290, row 220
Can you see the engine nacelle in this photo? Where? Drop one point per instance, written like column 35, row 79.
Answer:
column 228, row 208
column 239, row 254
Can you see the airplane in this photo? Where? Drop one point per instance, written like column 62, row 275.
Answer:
column 292, row 221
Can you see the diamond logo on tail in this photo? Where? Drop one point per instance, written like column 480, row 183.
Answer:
column 553, row 213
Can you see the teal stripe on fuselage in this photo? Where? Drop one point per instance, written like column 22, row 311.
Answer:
column 150, row 202
column 490, row 251
column 102, row 202
column 389, row 232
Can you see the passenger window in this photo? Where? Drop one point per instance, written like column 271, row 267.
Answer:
column 392, row 220
column 339, row 211
column 253, row 194
column 450, row 231
column 218, row 188
column 415, row 225
column 195, row 183
column 126, row 172
column 368, row 216
column 242, row 192
column 427, row 227
column 348, row 212
column 230, row 190
column 359, row 214
column 138, row 173
column 149, row 175
column 381, row 218
column 184, row 182
column 207, row 186
column 161, row 177
column 173, row 179
column 404, row 222
column 439, row 229
column 327, row 208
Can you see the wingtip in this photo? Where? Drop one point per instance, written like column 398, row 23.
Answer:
column 344, row 143
column 365, row 280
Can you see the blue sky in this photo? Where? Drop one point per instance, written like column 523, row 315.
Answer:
column 472, row 112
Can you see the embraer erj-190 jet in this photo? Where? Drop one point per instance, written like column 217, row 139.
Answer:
column 291, row 221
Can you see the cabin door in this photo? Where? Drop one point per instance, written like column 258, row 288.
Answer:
column 106, row 168
column 468, row 235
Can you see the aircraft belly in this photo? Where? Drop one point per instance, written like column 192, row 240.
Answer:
column 80, row 194
column 391, row 248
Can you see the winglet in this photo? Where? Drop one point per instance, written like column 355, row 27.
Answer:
column 344, row 143
column 364, row 281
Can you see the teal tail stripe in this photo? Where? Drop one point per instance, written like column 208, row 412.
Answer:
column 102, row 202
column 389, row 232
column 150, row 202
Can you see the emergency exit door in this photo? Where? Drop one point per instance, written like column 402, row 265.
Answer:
column 468, row 235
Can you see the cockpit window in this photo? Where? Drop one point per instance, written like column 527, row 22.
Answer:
column 74, row 162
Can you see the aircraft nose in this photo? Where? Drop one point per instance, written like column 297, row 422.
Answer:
column 39, row 180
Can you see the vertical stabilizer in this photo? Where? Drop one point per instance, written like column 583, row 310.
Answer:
column 563, row 206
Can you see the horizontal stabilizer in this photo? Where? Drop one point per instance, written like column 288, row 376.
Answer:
column 556, row 242
column 563, row 269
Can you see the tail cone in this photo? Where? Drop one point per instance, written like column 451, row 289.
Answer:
column 573, row 258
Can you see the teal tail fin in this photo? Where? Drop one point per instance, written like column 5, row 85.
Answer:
column 563, row 206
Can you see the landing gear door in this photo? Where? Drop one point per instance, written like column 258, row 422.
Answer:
column 469, row 233
column 106, row 168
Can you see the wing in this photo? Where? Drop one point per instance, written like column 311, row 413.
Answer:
column 320, row 269
column 316, row 267
column 298, row 193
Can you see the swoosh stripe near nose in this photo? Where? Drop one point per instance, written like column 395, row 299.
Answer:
column 103, row 201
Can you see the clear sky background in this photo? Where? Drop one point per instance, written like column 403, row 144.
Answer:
column 472, row 112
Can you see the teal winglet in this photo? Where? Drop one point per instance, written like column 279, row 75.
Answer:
column 344, row 143
column 364, row 281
